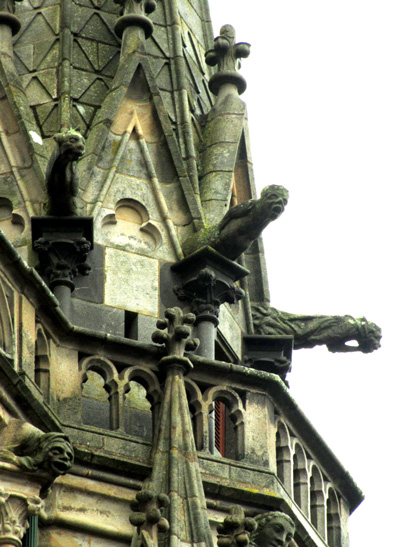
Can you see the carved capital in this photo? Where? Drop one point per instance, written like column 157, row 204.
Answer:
column 134, row 13
column 235, row 529
column 62, row 245
column 206, row 293
column 15, row 509
column 62, row 260
column 147, row 517
column 226, row 55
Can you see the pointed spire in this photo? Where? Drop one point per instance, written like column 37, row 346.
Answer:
column 175, row 469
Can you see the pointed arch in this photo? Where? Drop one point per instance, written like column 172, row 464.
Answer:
column 333, row 521
column 198, row 413
column 317, row 500
column 42, row 362
column 233, row 408
column 98, row 376
column 283, row 455
column 300, row 477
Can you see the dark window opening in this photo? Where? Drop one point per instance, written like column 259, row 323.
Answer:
column 131, row 325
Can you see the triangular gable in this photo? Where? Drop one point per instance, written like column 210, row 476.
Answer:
column 133, row 111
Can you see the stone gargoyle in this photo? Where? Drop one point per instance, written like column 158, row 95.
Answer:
column 241, row 225
column 334, row 331
column 62, row 177
column 31, row 449
column 273, row 529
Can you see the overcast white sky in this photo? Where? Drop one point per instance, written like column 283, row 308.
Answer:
column 329, row 107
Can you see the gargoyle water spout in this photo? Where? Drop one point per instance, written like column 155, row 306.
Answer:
column 333, row 331
column 241, row 225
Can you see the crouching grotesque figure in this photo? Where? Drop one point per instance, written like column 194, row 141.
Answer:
column 33, row 450
column 274, row 529
column 241, row 225
column 62, row 177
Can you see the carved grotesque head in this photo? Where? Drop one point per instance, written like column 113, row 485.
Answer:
column 71, row 144
column 274, row 529
column 274, row 199
column 54, row 454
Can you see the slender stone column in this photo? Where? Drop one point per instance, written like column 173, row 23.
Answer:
column 208, row 282
column 62, row 244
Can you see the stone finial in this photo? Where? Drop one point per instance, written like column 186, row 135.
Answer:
column 134, row 13
column 334, row 331
column 236, row 529
column 177, row 338
column 62, row 177
column 274, row 528
column 226, row 55
column 7, row 17
column 15, row 509
column 147, row 517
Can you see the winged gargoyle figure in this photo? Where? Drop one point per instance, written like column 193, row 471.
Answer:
column 241, row 225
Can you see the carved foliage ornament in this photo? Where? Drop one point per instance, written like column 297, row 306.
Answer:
column 208, row 293
column 15, row 509
column 235, row 529
column 177, row 338
column 147, row 517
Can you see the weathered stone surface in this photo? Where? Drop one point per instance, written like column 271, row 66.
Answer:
column 97, row 317
column 131, row 282
column 91, row 287
column 229, row 326
column 334, row 331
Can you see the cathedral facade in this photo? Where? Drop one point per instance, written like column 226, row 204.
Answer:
column 143, row 391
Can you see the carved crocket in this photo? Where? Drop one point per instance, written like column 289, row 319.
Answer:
column 241, row 225
column 333, row 331
column 62, row 177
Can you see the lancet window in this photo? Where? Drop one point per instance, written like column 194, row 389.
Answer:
column 333, row 524
column 317, row 501
column 225, row 422
column 42, row 363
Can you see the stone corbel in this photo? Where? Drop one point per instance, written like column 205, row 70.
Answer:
column 15, row 510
